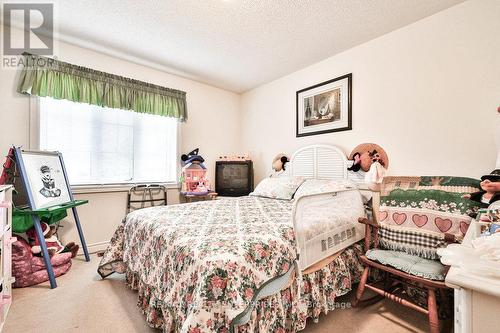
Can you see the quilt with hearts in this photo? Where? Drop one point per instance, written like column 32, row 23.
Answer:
column 416, row 212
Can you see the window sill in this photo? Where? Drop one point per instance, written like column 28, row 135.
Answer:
column 110, row 188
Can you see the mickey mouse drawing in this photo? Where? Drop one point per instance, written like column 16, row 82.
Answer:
column 49, row 189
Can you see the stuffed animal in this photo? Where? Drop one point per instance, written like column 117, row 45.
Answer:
column 369, row 164
column 365, row 154
column 53, row 244
column 490, row 185
column 279, row 164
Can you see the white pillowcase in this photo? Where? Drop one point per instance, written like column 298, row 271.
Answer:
column 318, row 186
column 278, row 187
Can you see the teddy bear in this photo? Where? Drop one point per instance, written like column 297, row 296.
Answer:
column 54, row 246
column 490, row 190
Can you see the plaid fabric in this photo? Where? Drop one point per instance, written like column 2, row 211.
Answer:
column 413, row 242
column 416, row 212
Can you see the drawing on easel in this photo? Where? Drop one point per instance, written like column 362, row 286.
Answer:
column 49, row 189
column 46, row 179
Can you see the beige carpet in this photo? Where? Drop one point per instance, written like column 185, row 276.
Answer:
column 84, row 303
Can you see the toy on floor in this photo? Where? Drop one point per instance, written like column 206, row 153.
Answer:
column 490, row 189
column 53, row 244
column 193, row 177
column 29, row 270
column 279, row 165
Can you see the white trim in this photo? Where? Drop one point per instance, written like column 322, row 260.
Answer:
column 93, row 248
column 34, row 144
column 34, row 124
column 109, row 188
column 178, row 153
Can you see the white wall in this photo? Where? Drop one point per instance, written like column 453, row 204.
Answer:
column 213, row 126
column 427, row 93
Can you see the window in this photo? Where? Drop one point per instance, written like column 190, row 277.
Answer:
column 109, row 146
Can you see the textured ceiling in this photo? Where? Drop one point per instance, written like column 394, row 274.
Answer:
column 234, row 44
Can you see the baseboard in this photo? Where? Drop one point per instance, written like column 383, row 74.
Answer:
column 96, row 247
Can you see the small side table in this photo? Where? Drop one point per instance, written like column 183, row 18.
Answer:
column 193, row 198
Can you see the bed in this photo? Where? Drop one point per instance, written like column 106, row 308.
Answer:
column 249, row 264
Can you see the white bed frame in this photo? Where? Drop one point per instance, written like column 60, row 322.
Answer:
column 311, row 162
column 321, row 162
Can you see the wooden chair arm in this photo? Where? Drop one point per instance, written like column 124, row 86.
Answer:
column 365, row 220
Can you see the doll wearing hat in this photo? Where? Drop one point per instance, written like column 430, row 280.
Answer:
column 490, row 185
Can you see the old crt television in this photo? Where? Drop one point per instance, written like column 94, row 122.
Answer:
column 233, row 178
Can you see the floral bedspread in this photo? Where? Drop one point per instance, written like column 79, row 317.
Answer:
column 309, row 296
column 201, row 264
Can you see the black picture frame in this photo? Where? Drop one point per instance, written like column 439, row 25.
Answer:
column 333, row 129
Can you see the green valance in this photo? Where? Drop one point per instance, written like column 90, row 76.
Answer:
column 47, row 77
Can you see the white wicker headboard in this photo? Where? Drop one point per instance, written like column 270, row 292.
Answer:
column 319, row 162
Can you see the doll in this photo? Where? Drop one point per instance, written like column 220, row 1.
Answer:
column 53, row 244
column 365, row 154
column 490, row 189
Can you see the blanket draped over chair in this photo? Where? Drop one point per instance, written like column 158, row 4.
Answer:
column 416, row 217
column 417, row 212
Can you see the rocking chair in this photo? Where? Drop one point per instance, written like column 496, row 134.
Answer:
column 395, row 279
column 416, row 216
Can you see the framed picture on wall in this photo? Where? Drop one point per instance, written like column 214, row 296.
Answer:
column 325, row 107
column 44, row 177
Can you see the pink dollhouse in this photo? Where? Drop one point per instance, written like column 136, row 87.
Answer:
column 193, row 177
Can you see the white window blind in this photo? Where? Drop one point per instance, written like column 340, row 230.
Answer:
column 109, row 146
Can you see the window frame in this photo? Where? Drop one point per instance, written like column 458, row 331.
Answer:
column 34, row 144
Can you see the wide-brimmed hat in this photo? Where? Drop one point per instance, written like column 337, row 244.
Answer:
column 494, row 176
column 371, row 147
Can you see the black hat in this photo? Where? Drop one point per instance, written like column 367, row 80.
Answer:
column 494, row 176
column 44, row 169
column 192, row 156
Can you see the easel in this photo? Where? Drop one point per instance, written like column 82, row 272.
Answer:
column 17, row 158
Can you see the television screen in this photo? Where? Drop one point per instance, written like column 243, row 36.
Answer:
column 233, row 178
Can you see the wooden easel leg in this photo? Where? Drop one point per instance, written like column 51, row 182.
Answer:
column 45, row 253
column 80, row 233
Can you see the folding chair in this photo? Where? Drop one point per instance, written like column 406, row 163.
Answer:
column 147, row 195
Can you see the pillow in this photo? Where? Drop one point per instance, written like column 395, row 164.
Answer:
column 318, row 186
column 278, row 187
